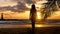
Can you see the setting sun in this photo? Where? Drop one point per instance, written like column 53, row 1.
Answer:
column 39, row 15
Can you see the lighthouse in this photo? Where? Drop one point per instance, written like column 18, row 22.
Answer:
column 2, row 16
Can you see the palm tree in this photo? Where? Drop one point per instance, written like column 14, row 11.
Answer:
column 50, row 7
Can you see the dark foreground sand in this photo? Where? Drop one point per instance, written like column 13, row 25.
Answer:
column 41, row 30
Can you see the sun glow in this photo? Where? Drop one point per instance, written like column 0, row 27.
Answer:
column 38, row 25
column 28, row 6
column 39, row 15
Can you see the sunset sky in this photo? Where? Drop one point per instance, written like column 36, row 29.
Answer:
column 25, row 11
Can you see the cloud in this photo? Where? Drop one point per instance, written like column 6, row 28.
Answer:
column 7, row 3
column 29, row 1
column 22, row 3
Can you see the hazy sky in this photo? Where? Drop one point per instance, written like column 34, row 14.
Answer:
column 25, row 5
column 7, row 2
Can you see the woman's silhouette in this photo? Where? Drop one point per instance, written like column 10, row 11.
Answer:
column 33, row 17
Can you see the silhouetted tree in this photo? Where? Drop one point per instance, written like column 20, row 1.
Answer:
column 50, row 7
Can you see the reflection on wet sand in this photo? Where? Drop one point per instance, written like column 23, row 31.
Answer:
column 27, row 25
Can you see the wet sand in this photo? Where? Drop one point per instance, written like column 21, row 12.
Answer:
column 26, row 29
column 42, row 30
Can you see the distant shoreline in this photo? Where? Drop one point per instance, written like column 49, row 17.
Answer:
column 13, row 19
column 26, row 19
